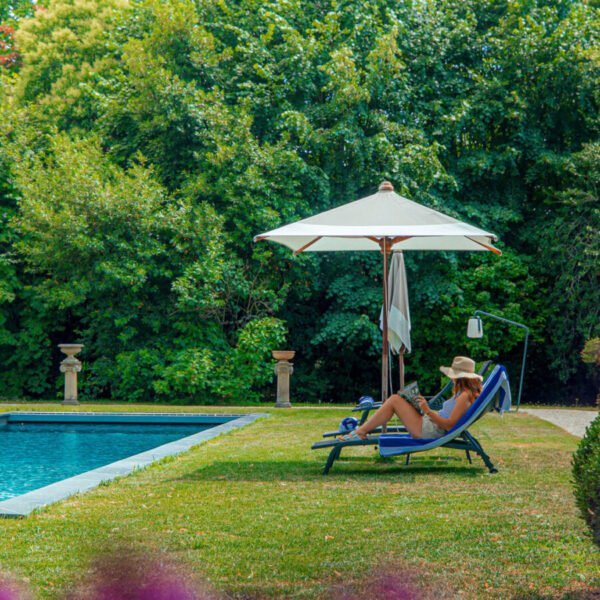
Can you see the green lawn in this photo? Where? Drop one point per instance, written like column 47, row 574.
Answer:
column 251, row 512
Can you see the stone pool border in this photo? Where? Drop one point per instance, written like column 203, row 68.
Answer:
column 21, row 506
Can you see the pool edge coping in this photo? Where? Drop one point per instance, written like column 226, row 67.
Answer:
column 23, row 505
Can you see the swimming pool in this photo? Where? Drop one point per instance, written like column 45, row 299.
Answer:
column 45, row 457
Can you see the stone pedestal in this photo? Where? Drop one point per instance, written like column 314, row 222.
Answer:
column 283, row 370
column 70, row 367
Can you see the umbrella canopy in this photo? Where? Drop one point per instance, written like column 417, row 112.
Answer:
column 363, row 224
column 385, row 222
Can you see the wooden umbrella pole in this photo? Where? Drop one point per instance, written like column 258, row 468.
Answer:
column 401, row 365
column 385, row 350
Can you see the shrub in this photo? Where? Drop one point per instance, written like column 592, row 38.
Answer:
column 586, row 473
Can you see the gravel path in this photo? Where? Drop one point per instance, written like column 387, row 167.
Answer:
column 573, row 421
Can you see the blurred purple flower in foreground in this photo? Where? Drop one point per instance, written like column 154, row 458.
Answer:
column 11, row 591
column 124, row 576
column 391, row 582
column 393, row 588
column 7, row 593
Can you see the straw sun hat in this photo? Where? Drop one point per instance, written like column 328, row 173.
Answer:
column 461, row 367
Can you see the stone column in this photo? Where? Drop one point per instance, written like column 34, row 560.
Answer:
column 283, row 370
column 70, row 367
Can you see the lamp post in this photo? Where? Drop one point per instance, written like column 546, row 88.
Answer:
column 475, row 330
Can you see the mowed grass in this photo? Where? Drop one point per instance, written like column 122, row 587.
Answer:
column 251, row 514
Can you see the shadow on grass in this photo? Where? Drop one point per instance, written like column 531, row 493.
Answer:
column 589, row 594
column 425, row 465
column 357, row 467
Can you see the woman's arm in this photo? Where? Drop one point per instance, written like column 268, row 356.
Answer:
column 460, row 408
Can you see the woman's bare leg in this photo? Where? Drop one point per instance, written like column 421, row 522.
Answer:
column 394, row 405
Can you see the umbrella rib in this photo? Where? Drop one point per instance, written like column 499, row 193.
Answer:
column 399, row 238
column 486, row 246
column 296, row 252
column 392, row 240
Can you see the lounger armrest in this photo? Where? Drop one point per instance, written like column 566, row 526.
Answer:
column 373, row 406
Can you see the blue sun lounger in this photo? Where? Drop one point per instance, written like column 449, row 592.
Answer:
column 494, row 395
column 435, row 403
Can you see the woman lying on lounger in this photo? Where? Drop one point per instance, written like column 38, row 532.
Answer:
column 432, row 424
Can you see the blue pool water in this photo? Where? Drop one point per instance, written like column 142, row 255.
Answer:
column 33, row 455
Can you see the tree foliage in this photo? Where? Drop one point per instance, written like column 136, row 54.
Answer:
column 148, row 141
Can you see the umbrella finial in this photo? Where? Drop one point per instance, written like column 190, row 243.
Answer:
column 386, row 186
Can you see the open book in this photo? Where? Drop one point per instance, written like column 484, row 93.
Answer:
column 410, row 393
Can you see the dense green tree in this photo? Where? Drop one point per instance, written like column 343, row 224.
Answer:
column 11, row 10
column 148, row 141
column 570, row 246
column 140, row 273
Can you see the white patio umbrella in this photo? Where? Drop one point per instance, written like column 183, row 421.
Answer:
column 384, row 222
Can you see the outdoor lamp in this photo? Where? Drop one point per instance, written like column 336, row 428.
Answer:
column 475, row 330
